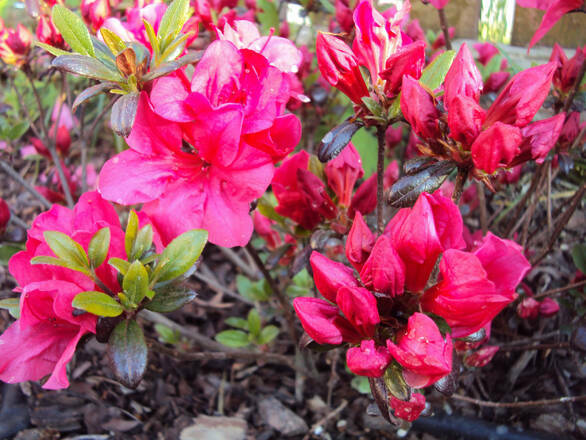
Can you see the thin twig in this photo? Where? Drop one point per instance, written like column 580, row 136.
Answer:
column 525, row 404
column 325, row 419
column 561, row 224
column 536, row 178
column 239, row 262
column 12, row 173
column 445, row 29
column 557, row 290
column 574, row 91
column 283, row 300
column 380, row 171
column 548, row 192
column 459, row 184
column 272, row 358
column 552, row 346
column 482, row 206
column 17, row 220
column 214, row 284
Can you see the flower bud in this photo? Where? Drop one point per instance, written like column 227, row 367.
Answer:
column 410, row 410
column 368, row 360
column 4, row 216
column 342, row 173
column 481, row 357
column 47, row 33
column 548, row 307
column 95, row 12
column 359, row 243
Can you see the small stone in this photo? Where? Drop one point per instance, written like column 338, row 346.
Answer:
column 215, row 428
column 281, row 418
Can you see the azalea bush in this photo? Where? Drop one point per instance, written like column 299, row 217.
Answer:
column 385, row 184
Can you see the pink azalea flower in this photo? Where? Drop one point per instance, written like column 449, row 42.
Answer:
column 408, row 410
column 481, row 357
column 4, row 215
column 44, row 339
column 209, row 184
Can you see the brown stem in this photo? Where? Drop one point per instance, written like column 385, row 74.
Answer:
column 552, row 346
column 12, row 173
column 574, row 91
column 576, row 199
column 535, row 180
column 552, row 292
column 445, row 29
column 380, row 171
column 272, row 358
column 525, row 404
column 459, row 184
column 283, row 300
column 482, row 206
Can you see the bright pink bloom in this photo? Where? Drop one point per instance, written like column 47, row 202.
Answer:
column 522, row 97
column 359, row 307
column 359, row 243
column 539, row 138
column 414, row 31
column 570, row 132
column 368, row 360
column 43, row 340
column 475, row 287
column 323, row 322
column 95, row 12
column 465, row 120
column 496, row 147
column 393, row 136
column 364, row 200
column 339, row 66
column 209, row 185
column 463, row 78
column 548, row 307
column 438, row 4
column 421, row 233
column 263, row 227
column 486, row 51
column 384, row 271
column 528, row 308
column 422, row 351
column 495, row 82
column 4, row 215
column 408, row 60
column 47, row 33
column 410, row 410
column 302, row 196
column 330, row 276
column 554, row 10
column 342, row 173
column 567, row 70
column 376, row 38
column 481, row 357
column 419, row 109
column 440, row 40
column 344, row 15
column 15, row 44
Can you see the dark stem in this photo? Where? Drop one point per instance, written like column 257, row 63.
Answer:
column 560, row 289
column 525, row 404
column 575, row 201
column 482, row 206
column 12, row 173
column 552, row 346
column 283, row 300
column 459, row 184
column 380, row 171
column 536, row 178
column 444, row 26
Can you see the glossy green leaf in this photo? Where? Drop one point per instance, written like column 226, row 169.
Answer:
column 86, row 66
column 142, row 243
column 171, row 66
column 113, row 41
column 254, row 322
column 152, row 37
column 267, row 334
column 97, row 303
column 395, row 383
column 120, row 264
column 12, row 305
column 127, row 351
column 131, row 232
column 66, row 248
column 234, row 321
column 268, row 15
column 233, row 338
column 52, row 50
column 181, row 254
column 45, row 259
column 123, row 114
column 167, row 335
column 92, row 91
column 73, row 30
column 170, row 299
column 99, row 247
column 6, row 253
column 175, row 17
column 136, row 282
column 433, row 75
column 579, row 257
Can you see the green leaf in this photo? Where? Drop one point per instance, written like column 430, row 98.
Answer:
column 92, row 91
column 142, row 243
column 6, row 253
column 433, row 75
column 52, row 50
column 395, row 383
column 175, row 17
column 181, row 254
column 171, row 299
column 66, row 248
column 269, row 15
column 328, row 6
column 237, row 322
column 254, row 322
column 233, row 338
column 120, row 264
column 152, row 37
column 12, row 305
column 171, row 66
column 267, row 334
column 360, row 384
column 45, row 259
column 97, row 303
column 99, row 247
column 174, row 49
column 86, row 66
column 127, row 351
column 123, row 114
column 113, row 41
column 131, row 232
column 257, row 291
column 73, row 30
column 301, row 285
column 167, row 335
column 136, row 282
column 579, row 257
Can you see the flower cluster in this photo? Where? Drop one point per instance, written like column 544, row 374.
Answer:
column 377, row 312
